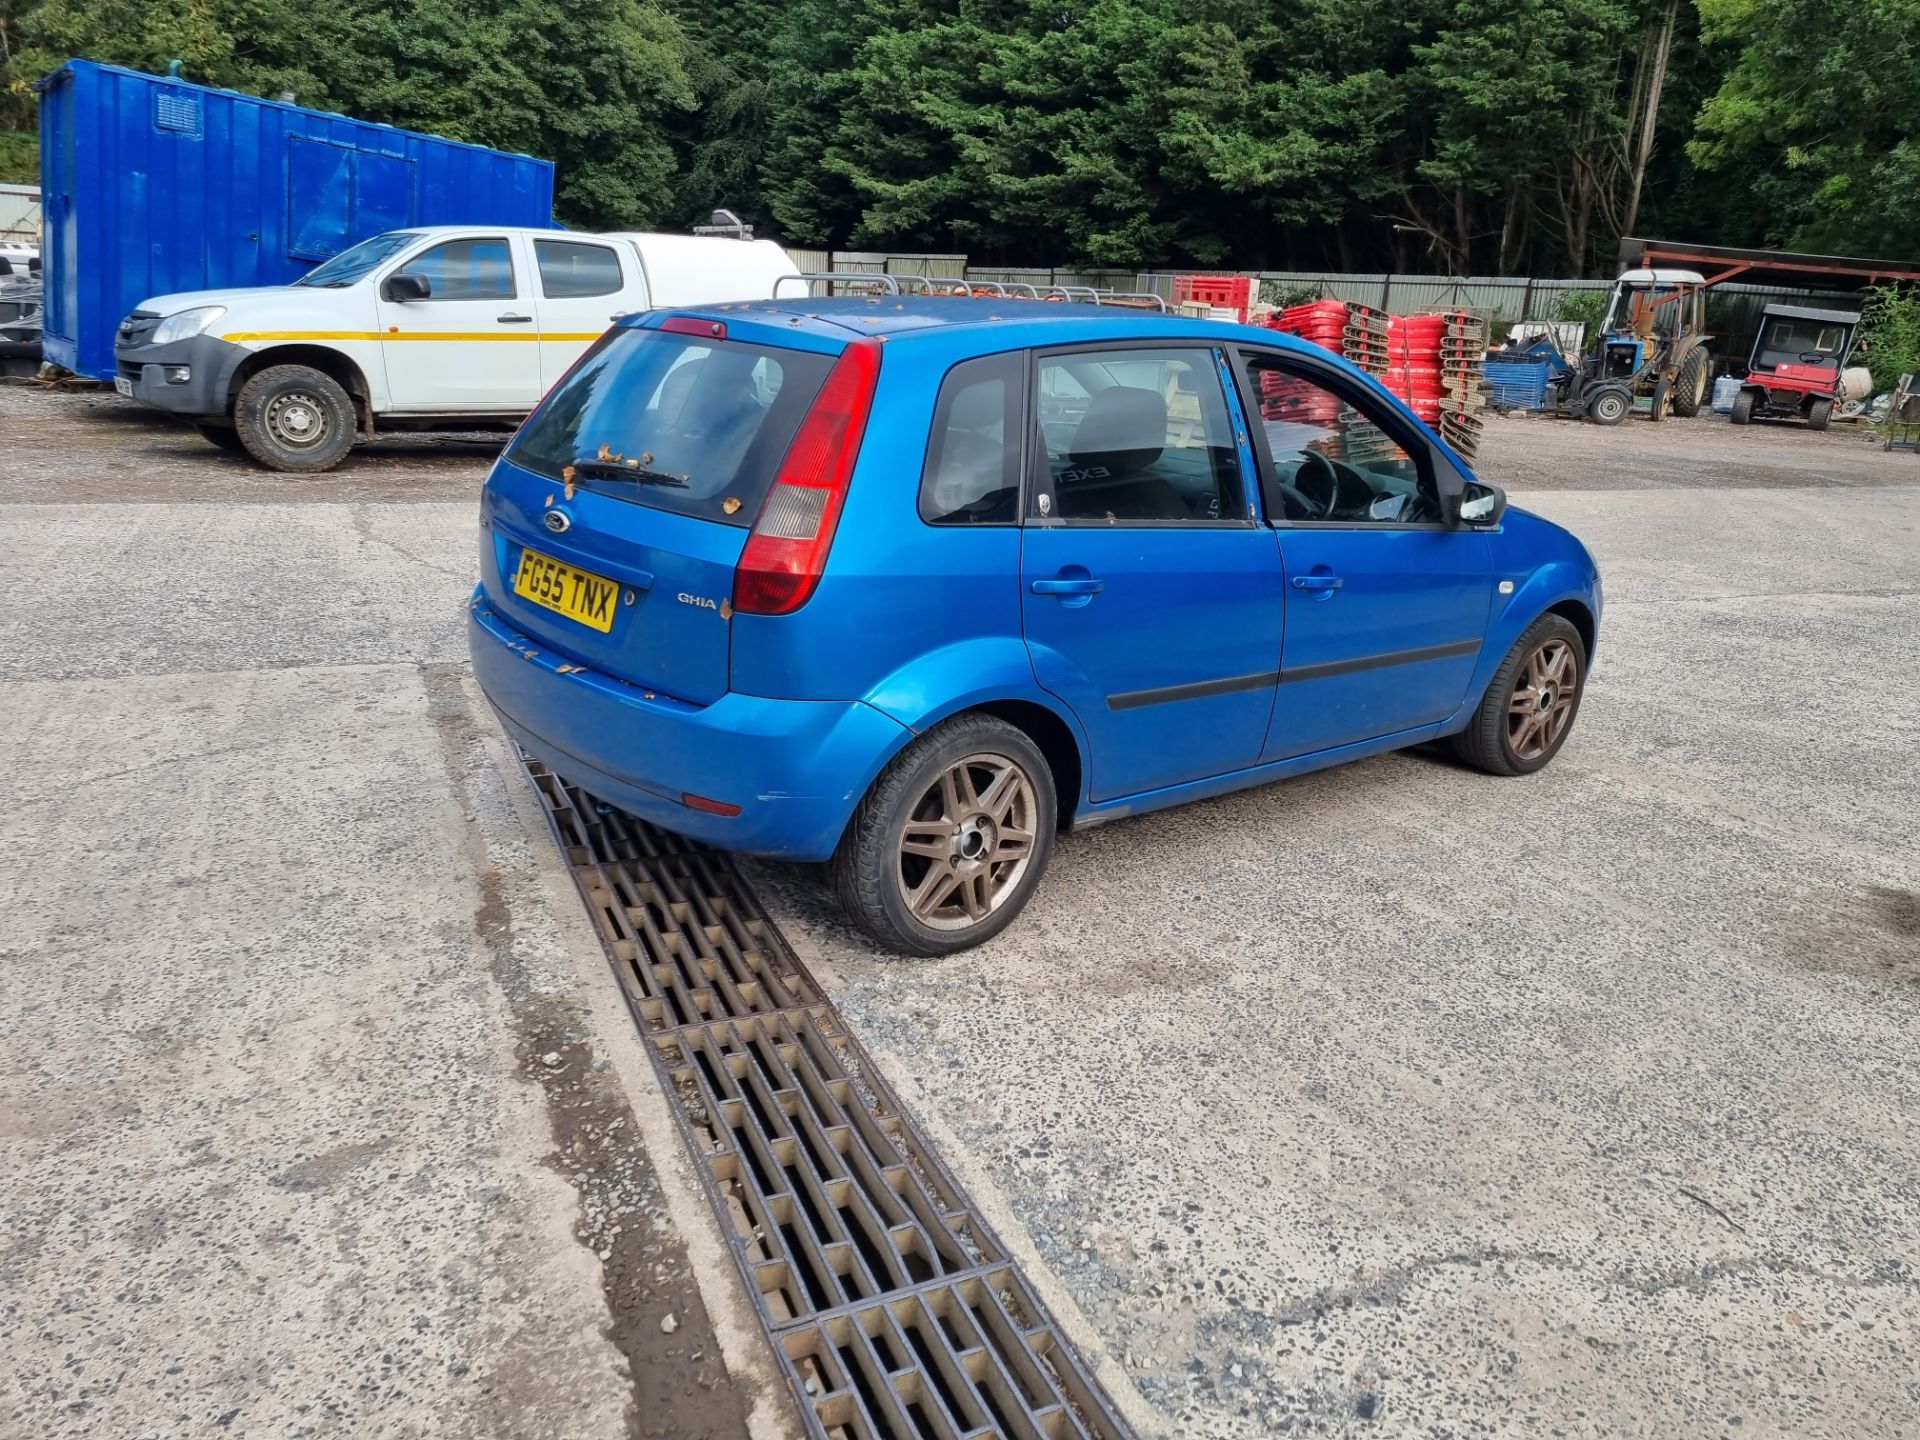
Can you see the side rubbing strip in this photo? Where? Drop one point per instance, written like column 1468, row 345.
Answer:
column 1134, row 699
column 1375, row 662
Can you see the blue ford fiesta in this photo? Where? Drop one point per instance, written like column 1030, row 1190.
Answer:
column 913, row 585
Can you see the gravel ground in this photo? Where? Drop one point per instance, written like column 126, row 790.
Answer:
column 1391, row 1101
column 1400, row 1101
column 320, row 1112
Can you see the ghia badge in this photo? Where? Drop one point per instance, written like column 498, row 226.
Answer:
column 700, row 601
column 558, row 521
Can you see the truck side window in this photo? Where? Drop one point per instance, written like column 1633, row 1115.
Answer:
column 480, row 269
column 972, row 472
column 571, row 271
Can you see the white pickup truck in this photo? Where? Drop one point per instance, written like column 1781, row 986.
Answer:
column 450, row 327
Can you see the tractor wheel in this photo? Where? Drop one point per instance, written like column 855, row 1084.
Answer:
column 1742, row 408
column 1819, row 413
column 1690, row 387
column 1609, row 407
column 1662, row 400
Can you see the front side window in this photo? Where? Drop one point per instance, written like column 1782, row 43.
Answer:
column 972, row 474
column 480, row 269
column 572, row 271
column 1332, row 463
column 1136, row 436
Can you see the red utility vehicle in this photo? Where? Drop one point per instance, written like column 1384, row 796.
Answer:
column 1798, row 359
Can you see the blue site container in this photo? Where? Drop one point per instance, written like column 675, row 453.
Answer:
column 151, row 185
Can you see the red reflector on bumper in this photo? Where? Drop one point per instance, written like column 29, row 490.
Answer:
column 712, row 807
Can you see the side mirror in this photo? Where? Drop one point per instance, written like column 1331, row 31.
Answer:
column 404, row 287
column 1480, row 506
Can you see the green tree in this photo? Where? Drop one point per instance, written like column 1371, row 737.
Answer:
column 1819, row 117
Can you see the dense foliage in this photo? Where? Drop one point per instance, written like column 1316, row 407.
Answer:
column 1453, row 135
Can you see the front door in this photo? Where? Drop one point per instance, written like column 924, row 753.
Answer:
column 473, row 343
column 581, row 285
column 1152, row 599
column 1387, row 605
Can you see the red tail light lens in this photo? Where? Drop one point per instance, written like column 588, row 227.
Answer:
column 787, row 550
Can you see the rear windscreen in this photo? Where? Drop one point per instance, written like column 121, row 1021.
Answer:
column 676, row 422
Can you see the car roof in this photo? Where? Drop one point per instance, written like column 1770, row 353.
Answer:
column 1001, row 322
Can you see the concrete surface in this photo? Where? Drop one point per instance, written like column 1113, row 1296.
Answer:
column 1402, row 1101
column 1394, row 1101
column 320, row 1113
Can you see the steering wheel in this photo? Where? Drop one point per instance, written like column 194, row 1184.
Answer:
column 1813, row 357
column 1317, row 473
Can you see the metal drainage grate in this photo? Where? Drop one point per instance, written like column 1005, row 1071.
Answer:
column 894, row 1311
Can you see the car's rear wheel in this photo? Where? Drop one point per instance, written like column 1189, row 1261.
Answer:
column 1530, row 704
column 951, row 840
column 293, row 417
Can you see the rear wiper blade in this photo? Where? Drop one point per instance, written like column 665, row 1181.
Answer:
column 622, row 470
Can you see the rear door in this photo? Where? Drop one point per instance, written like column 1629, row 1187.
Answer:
column 635, row 484
column 1386, row 605
column 582, row 286
column 473, row 344
column 1151, row 597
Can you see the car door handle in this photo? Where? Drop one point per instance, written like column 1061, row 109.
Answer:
column 516, row 319
column 1068, row 587
column 1317, row 582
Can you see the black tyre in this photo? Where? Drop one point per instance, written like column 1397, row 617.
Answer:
column 295, row 418
column 1609, row 407
column 1662, row 400
column 1742, row 408
column 225, row 436
column 952, row 839
column 1818, row 414
column 1690, row 385
column 1530, row 704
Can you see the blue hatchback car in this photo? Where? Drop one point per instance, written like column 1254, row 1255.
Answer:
column 912, row 585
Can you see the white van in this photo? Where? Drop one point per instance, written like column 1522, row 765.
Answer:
column 444, row 327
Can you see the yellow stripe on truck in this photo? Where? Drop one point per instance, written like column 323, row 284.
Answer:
column 458, row 336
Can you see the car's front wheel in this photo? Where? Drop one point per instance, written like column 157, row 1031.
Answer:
column 951, row 840
column 1530, row 704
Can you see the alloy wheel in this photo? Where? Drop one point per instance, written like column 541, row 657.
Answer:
column 1544, row 694
column 967, row 841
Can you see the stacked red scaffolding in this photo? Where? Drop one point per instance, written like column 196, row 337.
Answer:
column 1413, row 362
column 1463, row 361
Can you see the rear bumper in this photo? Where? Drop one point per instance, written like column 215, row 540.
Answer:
column 796, row 768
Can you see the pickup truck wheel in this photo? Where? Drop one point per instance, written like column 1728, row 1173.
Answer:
column 951, row 840
column 225, row 436
column 1523, row 719
column 296, row 418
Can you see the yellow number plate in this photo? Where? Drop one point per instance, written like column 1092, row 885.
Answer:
column 573, row 593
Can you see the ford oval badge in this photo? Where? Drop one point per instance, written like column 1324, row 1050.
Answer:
column 558, row 521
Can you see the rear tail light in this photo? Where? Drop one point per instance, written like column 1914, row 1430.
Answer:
column 787, row 550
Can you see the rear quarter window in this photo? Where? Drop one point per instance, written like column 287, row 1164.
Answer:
column 674, row 422
column 972, row 472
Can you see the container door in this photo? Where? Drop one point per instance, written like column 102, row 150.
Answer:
column 1152, row 601
column 582, row 285
column 473, row 343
